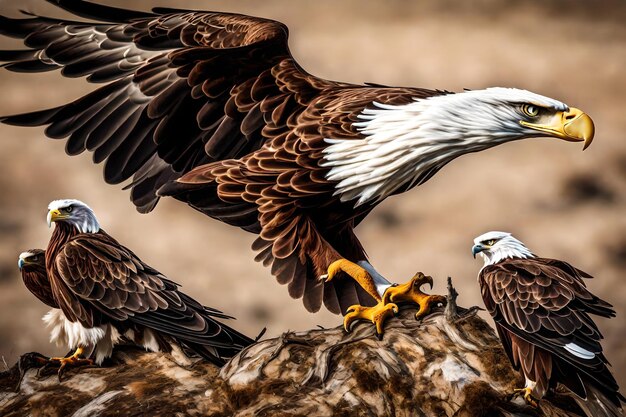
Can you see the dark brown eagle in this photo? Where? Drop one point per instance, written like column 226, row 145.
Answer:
column 541, row 308
column 212, row 109
column 102, row 294
column 32, row 264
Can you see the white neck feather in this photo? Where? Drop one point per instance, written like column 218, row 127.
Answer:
column 405, row 145
column 506, row 248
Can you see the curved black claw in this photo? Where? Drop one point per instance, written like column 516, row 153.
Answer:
column 48, row 369
column 72, row 362
column 50, row 366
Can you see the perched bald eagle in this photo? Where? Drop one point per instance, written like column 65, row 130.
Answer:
column 32, row 265
column 212, row 109
column 541, row 308
column 102, row 294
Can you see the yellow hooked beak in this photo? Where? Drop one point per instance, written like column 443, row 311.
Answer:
column 54, row 215
column 573, row 125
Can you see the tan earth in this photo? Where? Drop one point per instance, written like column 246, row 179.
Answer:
column 562, row 202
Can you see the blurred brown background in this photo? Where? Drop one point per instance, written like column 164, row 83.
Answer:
column 563, row 203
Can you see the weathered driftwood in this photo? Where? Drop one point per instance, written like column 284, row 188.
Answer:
column 451, row 364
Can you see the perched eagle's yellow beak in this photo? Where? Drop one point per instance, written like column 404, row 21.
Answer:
column 573, row 125
column 54, row 215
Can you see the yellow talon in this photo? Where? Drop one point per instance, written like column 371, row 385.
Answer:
column 358, row 273
column 411, row 292
column 386, row 307
column 527, row 394
column 377, row 314
column 74, row 360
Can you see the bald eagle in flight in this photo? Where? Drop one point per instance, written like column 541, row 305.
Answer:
column 213, row 110
column 541, row 308
column 102, row 294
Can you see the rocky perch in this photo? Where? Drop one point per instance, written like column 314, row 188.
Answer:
column 450, row 364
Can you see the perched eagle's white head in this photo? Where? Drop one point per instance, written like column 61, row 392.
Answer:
column 405, row 145
column 496, row 246
column 75, row 213
column 32, row 256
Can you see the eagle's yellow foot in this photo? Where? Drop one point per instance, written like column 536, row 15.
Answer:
column 527, row 394
column 411, row 292
column 73, row 361
column 376, row 314
column 358, row 273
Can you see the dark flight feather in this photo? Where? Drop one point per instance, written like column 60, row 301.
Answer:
column 212, row 109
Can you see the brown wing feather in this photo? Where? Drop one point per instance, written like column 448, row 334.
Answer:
column 218, row 98
column 113, row 285
column 306, row 226
column 170, row 76
column 540, row 305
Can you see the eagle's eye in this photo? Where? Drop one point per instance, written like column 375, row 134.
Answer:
column 34, row 258
column 490, row 242
column 68, row 209
column 530, row 110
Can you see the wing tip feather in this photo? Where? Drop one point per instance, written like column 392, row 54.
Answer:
column 99, row 12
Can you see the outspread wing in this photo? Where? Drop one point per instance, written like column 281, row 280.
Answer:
column 216, row 99
column 544, row 303
column 182, row 88
column 110, row 283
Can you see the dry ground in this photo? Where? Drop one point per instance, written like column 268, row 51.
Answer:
column 563, row 203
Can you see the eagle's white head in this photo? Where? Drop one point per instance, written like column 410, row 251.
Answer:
column 75, row 213
column 496, row 246
column 31, row 257
column 405, row 145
